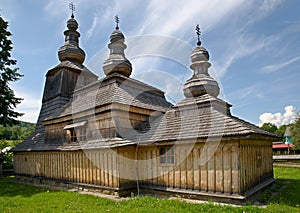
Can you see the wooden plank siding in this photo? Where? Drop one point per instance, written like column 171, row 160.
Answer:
column 256, row 163
column 219, row 174
column 78, row 166
column 234, row 168
column 229, row 170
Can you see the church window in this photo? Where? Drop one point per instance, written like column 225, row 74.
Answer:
column 76, row 132
column 167, row 155
column 81, row 134
column 73, row 137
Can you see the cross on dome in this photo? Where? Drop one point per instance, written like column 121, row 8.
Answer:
column 198, row 32
column 72, row 7
column 117, row 20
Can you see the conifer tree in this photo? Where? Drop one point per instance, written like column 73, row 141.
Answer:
column 8, row 74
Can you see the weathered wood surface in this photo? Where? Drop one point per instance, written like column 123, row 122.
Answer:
column 92, row 167
column 234, row 168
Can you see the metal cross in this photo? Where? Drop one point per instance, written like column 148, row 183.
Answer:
column 72, row 7
column 117, row 20
column 198, row 32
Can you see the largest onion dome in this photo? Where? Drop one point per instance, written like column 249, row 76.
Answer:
column 71, row 50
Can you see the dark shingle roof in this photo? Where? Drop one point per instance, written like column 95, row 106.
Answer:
column 200, row 124
column 131, row 93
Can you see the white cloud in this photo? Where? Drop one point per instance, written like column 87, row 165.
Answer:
column 90, row 31
column 278, row 118
column 243, row 93
column 259, row 10
column 175, row 17
column 239, row 42
column 240, row 47
column 30, row 106
column 279, row 66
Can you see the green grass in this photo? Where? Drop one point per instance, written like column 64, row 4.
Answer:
column 288, row 198
column 16, row 197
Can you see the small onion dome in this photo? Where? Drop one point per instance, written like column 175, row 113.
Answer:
column 201, row 82
column 116, row 36
column 72, row 24
column 117, row 62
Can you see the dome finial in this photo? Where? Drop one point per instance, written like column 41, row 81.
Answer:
column 117, row 20
column 72, row 7
column 198, row 32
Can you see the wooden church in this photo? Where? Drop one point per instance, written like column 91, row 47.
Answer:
column 118, row 135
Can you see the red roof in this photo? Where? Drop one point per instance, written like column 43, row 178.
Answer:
column 280, row 146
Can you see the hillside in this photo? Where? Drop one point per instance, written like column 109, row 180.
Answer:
column 17, row 132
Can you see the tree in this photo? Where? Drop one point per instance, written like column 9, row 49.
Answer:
column 281, row 130
column 8, row 100
column 295, row 134
column 269, row 127
column 6, row 157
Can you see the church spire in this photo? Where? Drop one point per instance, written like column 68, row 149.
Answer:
column 201, row 82
column 117, row 62
column 71, row 50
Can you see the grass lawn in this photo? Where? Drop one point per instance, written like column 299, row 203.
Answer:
column 284, row 196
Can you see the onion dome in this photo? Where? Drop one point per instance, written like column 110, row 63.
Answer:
column 71, row 50
column 117, row 62
column 201, row 82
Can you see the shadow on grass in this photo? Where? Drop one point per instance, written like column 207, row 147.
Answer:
column 286, row 192
column 8, row 188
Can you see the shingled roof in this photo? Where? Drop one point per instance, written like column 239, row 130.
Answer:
column 201, row 121
column 115, row 88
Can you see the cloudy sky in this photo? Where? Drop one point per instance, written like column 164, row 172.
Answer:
column 254, row 47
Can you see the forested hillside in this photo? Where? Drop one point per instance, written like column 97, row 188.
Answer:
column 16, row 132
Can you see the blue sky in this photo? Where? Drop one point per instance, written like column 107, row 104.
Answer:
column 254, row 47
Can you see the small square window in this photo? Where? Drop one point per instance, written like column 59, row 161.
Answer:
column 167, row 155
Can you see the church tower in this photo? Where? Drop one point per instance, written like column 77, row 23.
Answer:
column 62, row 80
